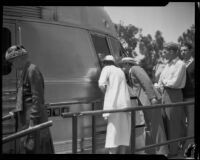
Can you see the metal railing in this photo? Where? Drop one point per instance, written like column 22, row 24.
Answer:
column 75, row 115
column 74, row 120
column 27, row 131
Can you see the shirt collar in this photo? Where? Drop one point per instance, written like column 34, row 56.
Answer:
column 174, row 60
column 189, row 61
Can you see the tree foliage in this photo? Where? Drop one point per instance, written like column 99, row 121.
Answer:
column 188, row 37
column 127, row 37
column 150, row 47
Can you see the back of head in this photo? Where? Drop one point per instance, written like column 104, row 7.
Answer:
column 109, row 60
column 128, row 60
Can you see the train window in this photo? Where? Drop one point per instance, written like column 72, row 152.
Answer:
column 6, row 43
column 115, row 47
column 101, row 46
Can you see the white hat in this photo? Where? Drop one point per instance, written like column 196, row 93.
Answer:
column 109, row 58
column 128, row 60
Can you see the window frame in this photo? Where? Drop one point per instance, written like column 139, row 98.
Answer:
column 93, row 45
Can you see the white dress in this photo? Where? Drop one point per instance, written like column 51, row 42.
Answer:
column 116, row 97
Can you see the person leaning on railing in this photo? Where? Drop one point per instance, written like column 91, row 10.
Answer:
column 147, row 95
column 30, row 109
column 171, row 82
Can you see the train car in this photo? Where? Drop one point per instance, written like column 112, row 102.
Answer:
column 67, row 44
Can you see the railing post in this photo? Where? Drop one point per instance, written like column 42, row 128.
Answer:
column 16, row 128
column 93, row 132
column 74, row 134
column 132, row 131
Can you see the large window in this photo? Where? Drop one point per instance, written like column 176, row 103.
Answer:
column 6, row 43
column 101, row 46
column 117, row 48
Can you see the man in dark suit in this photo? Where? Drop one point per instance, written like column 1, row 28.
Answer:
column 188, row 90
column 148, row 96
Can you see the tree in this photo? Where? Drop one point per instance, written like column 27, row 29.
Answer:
column 151, row 49
column 188, row 37
column 148, row 47
column 127, row 37
column 158, row 44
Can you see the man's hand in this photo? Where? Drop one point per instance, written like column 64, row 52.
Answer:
column 106, row 115
column 154, row 101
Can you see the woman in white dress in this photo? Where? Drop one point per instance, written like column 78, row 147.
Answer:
column 112, row 82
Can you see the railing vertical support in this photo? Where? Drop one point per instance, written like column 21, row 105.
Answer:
column 132, row 132
column 74, row 134
column 93, row 132
column 16, row 128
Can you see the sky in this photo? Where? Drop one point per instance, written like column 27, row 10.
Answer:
column 172, row 20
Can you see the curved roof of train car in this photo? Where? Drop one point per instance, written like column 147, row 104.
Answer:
column 92, row 18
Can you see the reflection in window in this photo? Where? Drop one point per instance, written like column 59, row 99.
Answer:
column 101, row 46
column 6, row 43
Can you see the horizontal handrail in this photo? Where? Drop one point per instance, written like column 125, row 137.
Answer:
column 27, row 131
column 180, row 104
column 70, row 102
column 73, row 102
column 8, row 116
column 164, row 143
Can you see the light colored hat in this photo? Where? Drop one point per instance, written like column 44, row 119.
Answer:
column 15, row 51
column 109, row 58
column 128, row 60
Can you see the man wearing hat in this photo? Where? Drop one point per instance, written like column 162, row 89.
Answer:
column 147, row 95
column 171, row 82
column 112, row 82
column 30, row 109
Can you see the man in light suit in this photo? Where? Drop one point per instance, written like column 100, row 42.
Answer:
column 171, row 82
column 147, row 95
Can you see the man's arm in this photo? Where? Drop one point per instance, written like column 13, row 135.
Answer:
column 37, row 89
column 179, row 77
column 144, row 81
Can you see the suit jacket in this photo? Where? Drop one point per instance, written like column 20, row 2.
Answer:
column 144, row 81
column 33, row 112
column 188, row 90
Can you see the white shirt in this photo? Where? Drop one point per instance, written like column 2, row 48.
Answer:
column 173, row 75
column 117, row 94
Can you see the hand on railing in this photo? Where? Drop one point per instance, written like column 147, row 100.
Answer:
column 29, row 143
column 154, row 101
column 106, row 115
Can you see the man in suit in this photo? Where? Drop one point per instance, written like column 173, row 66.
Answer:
column 147, row 95
column 188, row 90
column 171, row 82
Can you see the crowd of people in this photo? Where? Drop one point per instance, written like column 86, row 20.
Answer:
column 173, row 82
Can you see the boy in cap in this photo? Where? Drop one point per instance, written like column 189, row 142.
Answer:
column 171, row 82
column 113, row 83
column 30, row 109
column 148, row 96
